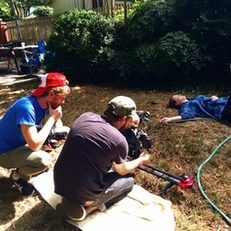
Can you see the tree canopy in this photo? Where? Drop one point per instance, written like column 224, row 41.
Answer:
column 20, row 8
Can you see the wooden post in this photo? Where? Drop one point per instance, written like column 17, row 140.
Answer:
column 14, row 11
column 125, row 13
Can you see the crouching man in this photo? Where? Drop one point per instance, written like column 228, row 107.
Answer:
column 92, row 171
column 20, row 141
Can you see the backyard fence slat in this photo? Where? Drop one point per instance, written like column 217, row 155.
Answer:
column 40, row 28
column 32, row 30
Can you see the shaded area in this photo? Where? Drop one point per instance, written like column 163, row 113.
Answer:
column 40, row 218
column 10, row 79
column 8, row 195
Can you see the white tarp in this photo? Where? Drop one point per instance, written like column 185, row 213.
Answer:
column 140, row 209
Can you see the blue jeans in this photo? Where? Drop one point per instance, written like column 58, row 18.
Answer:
column 118, row 188
column 226, row 113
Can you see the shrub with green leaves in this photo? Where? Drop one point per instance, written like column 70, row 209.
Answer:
column 173, row 40
column 151, row 20
column 177, row 57
column 81, row 42
column 173, row 60
column 5, row 11
column 201, row 51
column 43, row 11
column 135, row 67
column 179, row 49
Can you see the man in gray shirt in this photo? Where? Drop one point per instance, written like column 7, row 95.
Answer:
column 92, row 171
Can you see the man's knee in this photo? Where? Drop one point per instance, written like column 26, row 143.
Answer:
column 127, row 183
column 121, row 186
column 41, row 158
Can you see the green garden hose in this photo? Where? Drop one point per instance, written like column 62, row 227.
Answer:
column 215, row 151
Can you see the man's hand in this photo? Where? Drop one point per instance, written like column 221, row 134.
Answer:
column 128, row 166
column 135, row 121
column 214, row 97
column 55, row 113
column 165, row 120
column 144, row 158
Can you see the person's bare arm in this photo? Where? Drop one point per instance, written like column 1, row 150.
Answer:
column 34, row 138
column 214, row 97
column 166, row 120
column 128, row 166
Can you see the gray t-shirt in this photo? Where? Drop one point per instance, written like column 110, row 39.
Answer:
column 92, row 145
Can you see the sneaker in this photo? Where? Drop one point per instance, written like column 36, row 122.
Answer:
column 23, row 187
column 75, row 212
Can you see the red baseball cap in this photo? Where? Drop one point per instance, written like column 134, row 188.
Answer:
column 52, row 79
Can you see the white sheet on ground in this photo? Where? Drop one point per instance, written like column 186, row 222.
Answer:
column 140, row 209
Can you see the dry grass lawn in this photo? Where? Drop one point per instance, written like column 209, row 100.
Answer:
column 179, row 148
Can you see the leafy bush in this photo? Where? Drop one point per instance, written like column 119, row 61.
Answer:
column 81, row 41
column 177, row 58
column 151, row 20
column 179, row 49
column 43, row 11
column 5, row 11
column 136, row 67
column 173, row 40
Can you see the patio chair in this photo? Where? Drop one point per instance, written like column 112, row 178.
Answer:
column 33, row 60
column 8, row 55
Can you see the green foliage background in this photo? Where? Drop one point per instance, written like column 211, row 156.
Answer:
column 81, row 43
column 23, row 8
column 5, row 10
column 43, row 11
column 170, row 43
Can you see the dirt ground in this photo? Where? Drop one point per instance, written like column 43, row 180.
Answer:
column 178, row 148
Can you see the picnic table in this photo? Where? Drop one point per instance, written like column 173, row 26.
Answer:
column 13, row 52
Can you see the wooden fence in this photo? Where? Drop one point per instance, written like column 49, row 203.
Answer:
column 119, row 5
column 30, row 30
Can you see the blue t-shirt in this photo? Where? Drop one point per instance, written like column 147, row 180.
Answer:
column 25, row 111
column 204, row 107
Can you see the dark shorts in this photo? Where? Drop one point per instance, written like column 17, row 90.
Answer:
column 226, row 113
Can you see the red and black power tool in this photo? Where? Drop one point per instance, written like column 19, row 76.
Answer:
column 184, row 182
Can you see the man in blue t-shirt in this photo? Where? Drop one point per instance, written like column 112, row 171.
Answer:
column 21, row 141
column 200, row 106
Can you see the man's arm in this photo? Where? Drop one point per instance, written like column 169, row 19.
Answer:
column 34, row 138
column 127, row 167
column 166, row 120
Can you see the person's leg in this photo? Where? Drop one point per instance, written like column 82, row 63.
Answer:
column 226, row 113
column 118, row 188
column 27, row 162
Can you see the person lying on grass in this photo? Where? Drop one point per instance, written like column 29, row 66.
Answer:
column 201, row 106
